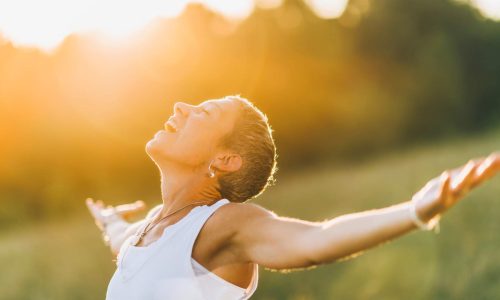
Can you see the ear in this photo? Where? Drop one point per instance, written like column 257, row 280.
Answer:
column 228, row 162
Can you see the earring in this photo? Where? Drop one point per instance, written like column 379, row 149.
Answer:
column 211, row 173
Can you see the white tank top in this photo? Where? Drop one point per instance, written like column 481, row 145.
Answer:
column 165, row 270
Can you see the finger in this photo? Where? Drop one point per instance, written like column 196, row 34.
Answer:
column 95, row 208
column 494, row 161
column 94, row 211
column 457, row 172
column 465, row 179
column 126, row 209
column 445, row 186
column 90, row 205
column 135, row 204
column 467, row 167
column 139, row 205
column 89, row 202
column 488, row 168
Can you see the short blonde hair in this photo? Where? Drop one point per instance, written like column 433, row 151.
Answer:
column 252, row 139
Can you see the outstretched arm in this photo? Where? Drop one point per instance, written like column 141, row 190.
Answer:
column 112, row 221
column 275, row 242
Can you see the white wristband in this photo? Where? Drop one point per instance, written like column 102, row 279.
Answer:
column 432, row 224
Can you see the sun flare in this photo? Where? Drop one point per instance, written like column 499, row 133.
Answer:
column 489, row 8
column 45, row 24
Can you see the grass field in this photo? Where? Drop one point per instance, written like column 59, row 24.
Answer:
column 67, row 260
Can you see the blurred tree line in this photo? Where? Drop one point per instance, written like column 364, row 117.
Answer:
column 386, row 74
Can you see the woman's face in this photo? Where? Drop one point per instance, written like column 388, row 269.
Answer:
column 198, row 131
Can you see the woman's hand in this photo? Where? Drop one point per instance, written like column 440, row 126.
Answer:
column 441, row 193
column 104, row 214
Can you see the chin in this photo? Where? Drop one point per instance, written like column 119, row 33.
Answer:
column 149, row 146
column 153, row 148
column 156, row 150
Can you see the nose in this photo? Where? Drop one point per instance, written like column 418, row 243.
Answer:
column 182, row 108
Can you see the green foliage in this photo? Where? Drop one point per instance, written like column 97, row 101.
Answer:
column 74, row 123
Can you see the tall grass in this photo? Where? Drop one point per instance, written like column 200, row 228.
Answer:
column 67, row 260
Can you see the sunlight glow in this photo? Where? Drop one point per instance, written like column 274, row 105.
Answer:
column 233, row 9
column 328, row 9
column 45, row 24
column 268, row 4
column 489, row 8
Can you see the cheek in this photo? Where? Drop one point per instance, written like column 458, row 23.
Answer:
column 193, row 149
column 199, row 144
column 198, row 137
column 190, row 146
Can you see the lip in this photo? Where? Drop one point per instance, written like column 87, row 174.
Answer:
column 172, row 123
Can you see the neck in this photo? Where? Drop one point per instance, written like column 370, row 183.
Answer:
column 183, row 187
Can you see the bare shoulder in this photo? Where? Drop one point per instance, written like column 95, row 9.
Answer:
column 246, row 209
column 240, row 214
column 235, row 218
column 232, row 217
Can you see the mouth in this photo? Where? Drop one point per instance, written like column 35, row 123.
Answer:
column 171, row 126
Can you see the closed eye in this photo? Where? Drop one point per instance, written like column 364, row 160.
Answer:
column 205, row 111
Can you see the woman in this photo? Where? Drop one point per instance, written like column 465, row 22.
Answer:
column 205, row 242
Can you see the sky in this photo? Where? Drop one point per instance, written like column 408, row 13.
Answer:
column 45, row 23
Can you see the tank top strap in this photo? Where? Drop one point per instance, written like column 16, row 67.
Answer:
column 196, row 225
column 254, row 283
